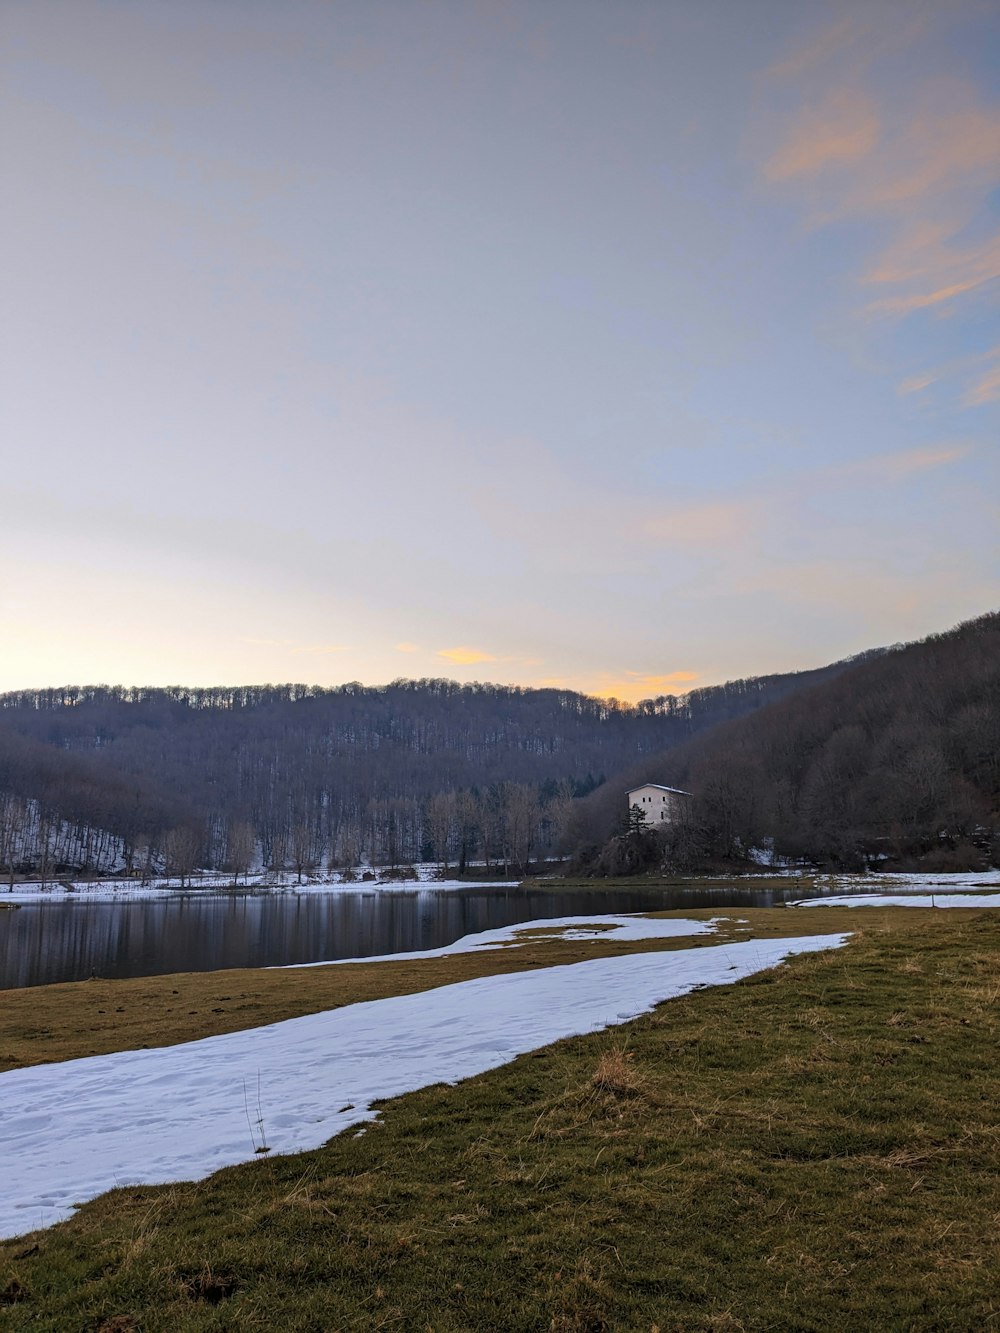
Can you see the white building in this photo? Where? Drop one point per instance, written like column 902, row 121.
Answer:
column 660, row 805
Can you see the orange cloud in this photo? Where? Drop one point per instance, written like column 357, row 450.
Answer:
column 935, row 270
column 987, row 387
column 465, row 656
column 700, row 524
column 918, row 157
column 915, row 384
column 407, row 648
column 908, row 462
column 936, row 151
column 843, row 129
column 827, row 44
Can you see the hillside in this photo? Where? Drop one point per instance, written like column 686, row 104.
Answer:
column 897, row 758
column 95, row 777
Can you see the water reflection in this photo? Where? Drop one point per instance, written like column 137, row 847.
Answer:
column 72, row 940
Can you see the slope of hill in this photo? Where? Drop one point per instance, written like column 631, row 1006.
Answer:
column 895, row 759
column 95, row 776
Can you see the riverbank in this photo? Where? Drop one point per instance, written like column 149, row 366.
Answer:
column 430, row 877
column 134, row 889
column 813, row 1147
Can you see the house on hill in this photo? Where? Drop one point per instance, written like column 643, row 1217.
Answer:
column 660, row 805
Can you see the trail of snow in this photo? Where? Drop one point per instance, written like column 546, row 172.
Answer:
column 904, row 900
column 613, row 928
column 74, row 1130
column 907, row 882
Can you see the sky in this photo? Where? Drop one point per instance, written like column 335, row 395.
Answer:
column 627, row 346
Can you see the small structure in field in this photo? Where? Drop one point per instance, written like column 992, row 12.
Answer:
column 660, row 805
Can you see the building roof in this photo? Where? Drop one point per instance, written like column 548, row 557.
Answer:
column 659, row 787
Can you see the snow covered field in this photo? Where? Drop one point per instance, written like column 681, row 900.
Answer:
column 73, row 1130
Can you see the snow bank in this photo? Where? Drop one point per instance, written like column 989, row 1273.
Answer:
column 615, row 928
column 904, row 900
column 966, row 889
column 72, row 1131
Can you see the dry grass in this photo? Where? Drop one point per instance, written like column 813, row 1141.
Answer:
column 617, row 1073
column 814, row 1148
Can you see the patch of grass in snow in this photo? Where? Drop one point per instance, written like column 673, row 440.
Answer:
column 814, row 1148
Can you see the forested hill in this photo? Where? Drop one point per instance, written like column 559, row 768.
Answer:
column 896, row 757
column 306, row 776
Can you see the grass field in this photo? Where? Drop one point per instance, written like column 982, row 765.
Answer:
column 814, row 1148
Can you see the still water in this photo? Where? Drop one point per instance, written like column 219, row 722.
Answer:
column 200, row 932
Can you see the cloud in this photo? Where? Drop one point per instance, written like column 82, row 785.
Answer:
column 987, row 387
column 874, row 123
column 915, row 384
column 932, row 270
column 820, row 49
column 908, row 462
column 981, row 374
column 699, row 524
column 463, row 656
column 842, row 129
column 407, row 648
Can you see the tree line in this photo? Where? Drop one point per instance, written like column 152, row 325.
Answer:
column 99, row 778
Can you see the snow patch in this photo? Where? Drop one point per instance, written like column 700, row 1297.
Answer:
column 904, row 900
column 72, row 1131
column 614, row 928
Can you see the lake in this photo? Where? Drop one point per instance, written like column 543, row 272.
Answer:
column 69, row 939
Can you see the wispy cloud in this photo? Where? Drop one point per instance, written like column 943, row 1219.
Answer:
column 986, row 388
column 407, row 648
column 842, row 129
column 928, row 268
column 916, row 156
column 915, row 384
column 818, row 50
column 907, row 462
column 699, row 524
column 464, row 656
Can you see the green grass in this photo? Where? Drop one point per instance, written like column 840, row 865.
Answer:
column 816, row 1148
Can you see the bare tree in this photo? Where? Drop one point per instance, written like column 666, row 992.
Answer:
column 241, row 846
